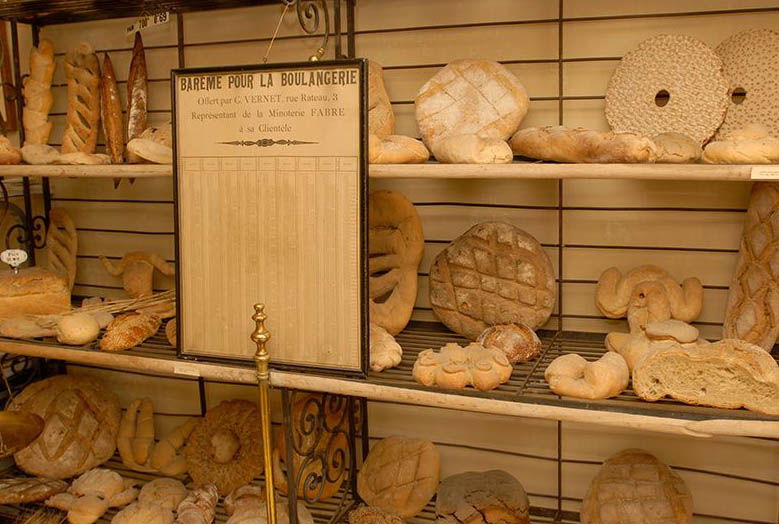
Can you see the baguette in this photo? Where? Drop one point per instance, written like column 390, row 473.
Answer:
column 137, row 94
column 37, row 94
column 111, row 112
column 83, row 72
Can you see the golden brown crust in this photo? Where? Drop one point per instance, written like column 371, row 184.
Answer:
column 83, row 73
column 37, row 94
column 19, row 490
column 62, row 245
column 128, row 330
column 137, row 93
column 170, row 332
column 33, row 291
column 111, row 112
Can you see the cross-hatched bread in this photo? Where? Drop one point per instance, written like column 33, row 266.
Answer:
column 21, row 490
column 400, row 475
column 579, row 145
column 495, row 273
column 484, row 497
column 634, row 487
column 395, row 247
column 381, row 119
column 752, row 312
column 327, row 441
column 82, row 69
column 467, row 97
column 37, row 94
column 81, row 419
column 128, row 330
column 455, row 367
column 726, row 374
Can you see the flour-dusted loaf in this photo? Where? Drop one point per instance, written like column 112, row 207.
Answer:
column 37, row 94
column 21, row 490
column 564, row 144
column 82, row 69
column 111, row 112
column 494, row 273
column 128, row 330
column 470, row 96
column 40, row 154
column 381, row 119
column 751, row 63
column 400, row 475
column 752, row 312
column 668, row 83
column 727, row 374
column 572, row 375
column 81, row 422
column 749, row 145
column 137, row 94
column 517, row 341
column 199, row 507
column 676, row 148
column 166, row 492
column 395, row 246
column 396, row 149
column 487, row 497
column 634, row 487
column 472, row 149
column 455, row 367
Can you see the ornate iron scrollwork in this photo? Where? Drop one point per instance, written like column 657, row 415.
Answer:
column 317, row 453
column 16, row 236
column 309, row 14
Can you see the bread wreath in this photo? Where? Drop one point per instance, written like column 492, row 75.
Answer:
column 225, row 448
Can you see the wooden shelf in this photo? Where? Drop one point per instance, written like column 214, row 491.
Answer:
column 526, row 394
column 104, row 171
column 516, row 170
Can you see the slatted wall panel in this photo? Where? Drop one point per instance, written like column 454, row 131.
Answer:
column 690, row 229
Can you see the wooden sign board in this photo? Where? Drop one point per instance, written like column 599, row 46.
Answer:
column 271, row 181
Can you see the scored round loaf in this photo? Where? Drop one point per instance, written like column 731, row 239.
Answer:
column 395, row 247
column 466, row 97
column 751, row 62
column 225, row 448
column 495, row 273
column 682, row 66
column 81, row 419
column 400, row 475
column 634, row 487
column 517, row 341
column 488, row 497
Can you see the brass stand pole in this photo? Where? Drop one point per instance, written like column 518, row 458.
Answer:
column 262, row 359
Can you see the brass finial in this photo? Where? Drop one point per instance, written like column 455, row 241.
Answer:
column 261, row 336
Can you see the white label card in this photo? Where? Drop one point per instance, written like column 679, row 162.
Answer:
column 765, row 172
column 14, row 257
column 147, row 22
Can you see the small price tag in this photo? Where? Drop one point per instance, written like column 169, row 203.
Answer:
column 14, row 258
column 765, row 172
column 184, row 368
column 147, row 22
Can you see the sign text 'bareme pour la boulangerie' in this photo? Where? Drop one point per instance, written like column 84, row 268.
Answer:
column 270, row 178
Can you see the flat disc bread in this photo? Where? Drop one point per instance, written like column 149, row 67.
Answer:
column 669, row 83
column 751, row 62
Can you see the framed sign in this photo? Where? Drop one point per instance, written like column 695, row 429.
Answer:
column 271, row 184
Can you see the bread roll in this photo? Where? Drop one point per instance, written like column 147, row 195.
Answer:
column 137, row 93
column 83, row 72
column 396, row 149
column 37, row 94
column 111, row 112
column 472, row 149
column 563, row 144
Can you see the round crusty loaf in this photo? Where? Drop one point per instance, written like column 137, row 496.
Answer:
column 470, row 97
column 751, row 62
column 494, row 273
column 81, row 422
column 676, row 148
column 686, row 69
column 489, row 497
column 633, row 487
column 396, row 245
column 400, row 475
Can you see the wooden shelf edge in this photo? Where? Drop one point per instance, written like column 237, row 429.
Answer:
column 162, row 366
column 701, row 428
column 535, row 170
column 105, row 171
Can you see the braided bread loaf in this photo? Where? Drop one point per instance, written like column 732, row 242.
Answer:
column 62, row 245
column 37, row 94
column 752, row 312
column 83, row 72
